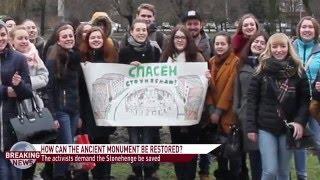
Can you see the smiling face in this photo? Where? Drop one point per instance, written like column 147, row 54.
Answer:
column 95, row 40
column 10, row 25
column 194, row 27
column 221, row 45
column 31, row 29
column 180, row 41
column 3, row 38
column 279, row 50
column 66, row 39
column 146, row 15
column 307, row 31
column 258, row 45
column 20, row 41
column 139, row 32
column 249, row 27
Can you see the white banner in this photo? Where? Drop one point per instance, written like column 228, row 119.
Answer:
column 155, row 94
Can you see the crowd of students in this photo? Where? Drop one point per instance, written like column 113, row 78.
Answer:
column 255, row 83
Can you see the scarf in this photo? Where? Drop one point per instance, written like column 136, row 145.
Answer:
column 280, row 73
column 181, row 57
column 238, row 42
column 139, row 47
column 280, row 69
column 252, row 61
column 218, row 61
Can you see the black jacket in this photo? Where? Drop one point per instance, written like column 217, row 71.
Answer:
column 262, row 104
column 10, row 62
column 128, row 54
column 63, row 91
column 86, row 112
column 315, row 93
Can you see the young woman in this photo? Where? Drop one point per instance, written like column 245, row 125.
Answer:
column 140, row 51
column 38, row 73
column 93, row 49
column 81, row 33
column 15, row 85
column 248, row 26
column 248, row 63
column 180, row 49
column 63, row 65
column 278, row 92
column 308, row 48
column 223, row 68
column 34, row 36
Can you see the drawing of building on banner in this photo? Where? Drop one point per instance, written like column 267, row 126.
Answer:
column 104, row 91
column 190, row 90
column 150, row 101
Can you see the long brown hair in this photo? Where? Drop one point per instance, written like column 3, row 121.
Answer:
column 191, row 50
column 59, row 54
column 315, row 26
column 79, row 32
column 247, row 48
column 244, row 17
column 85, row 48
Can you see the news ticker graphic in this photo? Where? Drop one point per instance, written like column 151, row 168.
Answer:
column 23, row 154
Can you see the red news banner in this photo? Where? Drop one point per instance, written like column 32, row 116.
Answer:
column 127, row 153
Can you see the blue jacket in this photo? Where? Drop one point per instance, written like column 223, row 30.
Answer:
column 309, row 53
column 10, row 62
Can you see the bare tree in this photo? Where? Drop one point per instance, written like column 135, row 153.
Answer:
column 125, row 8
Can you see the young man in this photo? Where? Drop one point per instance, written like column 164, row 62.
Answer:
column 147, row 12
column 193, row 21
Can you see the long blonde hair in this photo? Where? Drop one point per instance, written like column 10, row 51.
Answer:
column 279, row 38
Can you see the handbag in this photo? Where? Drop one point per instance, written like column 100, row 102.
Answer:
column 82, row 166
column 305, row 142
column 36, row 126
column 231, row 143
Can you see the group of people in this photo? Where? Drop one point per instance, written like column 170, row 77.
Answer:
column 257, row 83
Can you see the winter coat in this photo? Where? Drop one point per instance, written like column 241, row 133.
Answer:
column 220, row 92
column 86, row 112
column 314, row 107
column 239, row 41
column 262, row 104
column 204, row 45
column 39, row 75
column 63, row 91
column 112, row 46
column 309, row 53
column 240, row 100
column 150, row 55
column 11, row 62
column 40, row 45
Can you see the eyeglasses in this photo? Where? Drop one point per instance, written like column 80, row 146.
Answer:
column 180, row 37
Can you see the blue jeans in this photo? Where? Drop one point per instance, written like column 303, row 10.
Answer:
column 300, row 156
column 314, row 127
column 300, row 162
column 7, row 170
column 275, row 156
column 68, row 125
